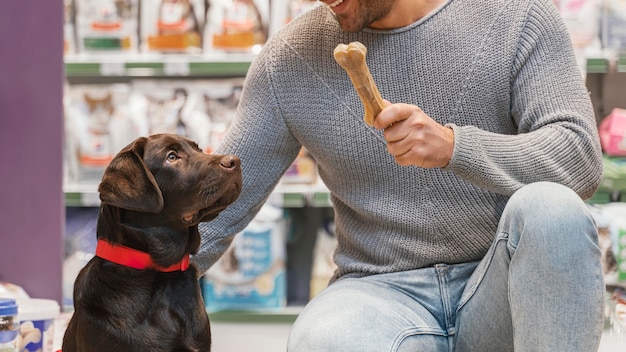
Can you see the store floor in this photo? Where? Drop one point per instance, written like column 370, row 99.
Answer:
column 240, row 337
column 272, row 337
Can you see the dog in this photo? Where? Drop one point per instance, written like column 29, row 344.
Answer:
column 139, row 292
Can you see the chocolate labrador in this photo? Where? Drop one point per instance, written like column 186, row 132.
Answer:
column 139, row 292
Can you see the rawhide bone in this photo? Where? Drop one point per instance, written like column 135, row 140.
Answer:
column 352, row 58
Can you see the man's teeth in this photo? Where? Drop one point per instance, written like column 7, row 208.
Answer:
column 338, row 2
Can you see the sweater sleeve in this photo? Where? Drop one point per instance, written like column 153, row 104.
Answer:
column 557, row 138
column 259, row 136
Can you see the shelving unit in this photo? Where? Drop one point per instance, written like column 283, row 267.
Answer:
column 158, row 65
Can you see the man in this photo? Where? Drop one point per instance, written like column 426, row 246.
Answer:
column 460, row 215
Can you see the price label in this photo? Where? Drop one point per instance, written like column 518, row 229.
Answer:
column 112, row 69
column 176, row 68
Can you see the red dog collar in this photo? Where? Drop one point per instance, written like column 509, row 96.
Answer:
column 134, row 258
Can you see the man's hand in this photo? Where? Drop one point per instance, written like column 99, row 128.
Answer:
column 413, row 138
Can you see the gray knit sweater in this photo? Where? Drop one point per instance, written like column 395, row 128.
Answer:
column 501, row 73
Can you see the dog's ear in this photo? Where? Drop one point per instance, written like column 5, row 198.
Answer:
column 128, row 183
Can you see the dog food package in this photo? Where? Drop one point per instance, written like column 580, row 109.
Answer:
column 236, row 25
column 614, row 25
column 107, row 25
column 172, row 25
column 251, row 274
column 582, row 18
column 284, row 11
column 80, row 246
column 69, row 42
column 172, row 107
column 98, row 124
column 323, row 264
column 610, row 219
column 220, row 98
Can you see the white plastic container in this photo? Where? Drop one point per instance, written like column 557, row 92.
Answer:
column 36, row 318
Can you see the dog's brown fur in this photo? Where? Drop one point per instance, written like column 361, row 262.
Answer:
column 153, row 195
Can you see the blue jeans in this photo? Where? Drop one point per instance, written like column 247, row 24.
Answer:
column 539, row 288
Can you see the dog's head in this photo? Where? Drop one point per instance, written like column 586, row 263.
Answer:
column 166, row 181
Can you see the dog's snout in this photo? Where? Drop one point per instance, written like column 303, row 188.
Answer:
column 230, row 162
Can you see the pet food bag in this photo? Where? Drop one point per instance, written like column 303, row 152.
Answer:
column 611, row 221
column 107, row 25
column 614, row 25
column 172, row 25
column 613, row 133
column 69, row 42
column 251, row 274
column 236, row 25
column 285, row 11
column 172, row 107
column 98, row 125
column 219, row 98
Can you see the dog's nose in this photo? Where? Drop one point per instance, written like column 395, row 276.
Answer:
column 230, row 162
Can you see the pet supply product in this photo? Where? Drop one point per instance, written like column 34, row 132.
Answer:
column 285, row 11
column 251, row 274
column 172, row 25
column 69, row 43
column 351, row 57
column 98, row 124
column 614, row 25
column 235, row 25
column 173, row 107
column 107, row 25
column 9, row 325
column 613, row 133
column 37, row 324
column 220, row 98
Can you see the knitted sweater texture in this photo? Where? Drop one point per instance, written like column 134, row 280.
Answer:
column 500, row 73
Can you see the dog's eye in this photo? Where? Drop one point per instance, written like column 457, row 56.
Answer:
column 171, row 157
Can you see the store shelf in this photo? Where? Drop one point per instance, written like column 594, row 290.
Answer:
column 85, row 194
column 282, row 315
column 597, row 65
column 158, row 65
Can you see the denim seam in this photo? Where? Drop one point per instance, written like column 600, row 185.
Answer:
column 412, row 332
column 502, row 236
column 445, row 297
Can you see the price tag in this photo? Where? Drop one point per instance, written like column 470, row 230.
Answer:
column 112, row 68
column 176, row 68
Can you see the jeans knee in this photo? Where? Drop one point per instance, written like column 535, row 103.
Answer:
column 548, row 212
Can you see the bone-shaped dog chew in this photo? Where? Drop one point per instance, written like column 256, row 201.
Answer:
column 352, row 58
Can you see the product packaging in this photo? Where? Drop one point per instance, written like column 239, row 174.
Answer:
column 220, row 97
column 614, row 25
column 69, row 41
column 172, row 107
column 107, row 25
column 582, row 18
column 9, row 326
column 610, row 219
column 172, row 26
column 98, row 125
column 251, row 274
column 36, row 318
column 323, row 264
column 236, row 25
column 80, row 246
column 612, row 131
column 285, row 11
